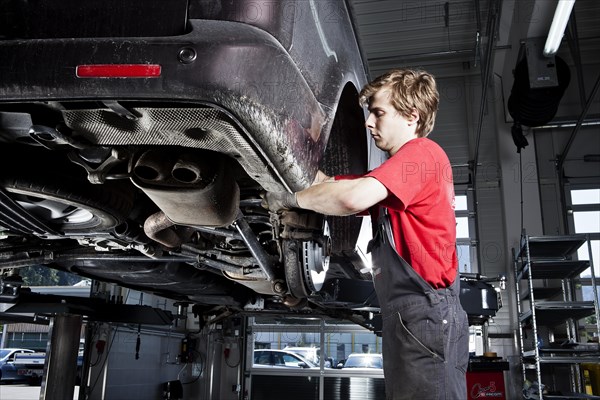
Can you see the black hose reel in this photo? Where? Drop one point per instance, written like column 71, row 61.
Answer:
column 537, row 90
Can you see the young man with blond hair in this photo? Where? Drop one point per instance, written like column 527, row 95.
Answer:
column 415, row 267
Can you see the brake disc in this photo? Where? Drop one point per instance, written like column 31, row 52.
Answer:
column 315, row 260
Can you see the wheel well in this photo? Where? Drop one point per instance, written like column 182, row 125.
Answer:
column 346, row 154
column 347, row 151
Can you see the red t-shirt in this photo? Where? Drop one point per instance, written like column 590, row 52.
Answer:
column 421, row 208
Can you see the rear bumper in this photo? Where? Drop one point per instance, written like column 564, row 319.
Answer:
column 236, row 67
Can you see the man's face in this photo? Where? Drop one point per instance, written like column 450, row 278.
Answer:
column 389, row 129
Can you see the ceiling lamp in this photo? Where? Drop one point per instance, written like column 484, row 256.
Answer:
column 557, row 29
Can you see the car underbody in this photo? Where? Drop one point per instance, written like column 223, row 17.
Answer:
column 183, row 222
column 139, row 156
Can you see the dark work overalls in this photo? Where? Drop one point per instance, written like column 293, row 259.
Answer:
column 425, row 330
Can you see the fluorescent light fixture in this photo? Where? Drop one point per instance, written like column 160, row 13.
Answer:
column 557, row 29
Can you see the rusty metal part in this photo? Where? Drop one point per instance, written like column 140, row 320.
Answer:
column 301, row 225
column 306, row 259
column 160, row 229
column 292, row 301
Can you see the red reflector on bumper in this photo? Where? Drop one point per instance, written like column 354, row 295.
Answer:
column 118, row 71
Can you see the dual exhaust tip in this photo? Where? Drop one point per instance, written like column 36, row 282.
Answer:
column 192, row 188
column 164, row 168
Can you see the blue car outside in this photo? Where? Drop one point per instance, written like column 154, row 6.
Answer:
column 8, row 370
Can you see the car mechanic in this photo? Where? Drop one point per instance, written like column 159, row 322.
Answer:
column 415, row 267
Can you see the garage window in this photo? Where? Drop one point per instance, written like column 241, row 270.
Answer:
column 585, row 206
column 464, row 245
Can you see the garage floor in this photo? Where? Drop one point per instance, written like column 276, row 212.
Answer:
column 24, row 392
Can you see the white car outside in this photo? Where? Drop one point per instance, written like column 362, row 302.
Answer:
column 310, row 353
column 281, row 359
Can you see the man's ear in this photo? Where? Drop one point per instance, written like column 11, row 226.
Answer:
column 414, row 117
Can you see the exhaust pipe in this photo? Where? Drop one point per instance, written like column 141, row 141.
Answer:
column 160, row 229
column 193, row 188
column 187, row 171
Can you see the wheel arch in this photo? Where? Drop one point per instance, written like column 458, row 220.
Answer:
column 346, row 153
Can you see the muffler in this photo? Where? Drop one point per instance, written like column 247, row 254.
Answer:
column 192, row 188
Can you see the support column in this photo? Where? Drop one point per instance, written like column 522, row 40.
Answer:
column 60, row 369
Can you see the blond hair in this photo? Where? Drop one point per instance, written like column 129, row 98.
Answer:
column 409, row 90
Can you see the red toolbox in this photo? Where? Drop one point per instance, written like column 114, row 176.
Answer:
column 485, row 378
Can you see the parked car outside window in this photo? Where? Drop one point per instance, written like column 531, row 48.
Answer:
column 281, row 359
column 311, row 353
column 8, row 370
column 360, row 360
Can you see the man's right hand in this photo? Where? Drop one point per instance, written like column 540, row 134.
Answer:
column 277, row 201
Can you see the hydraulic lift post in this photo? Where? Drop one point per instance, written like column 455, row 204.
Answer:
column 60, row 369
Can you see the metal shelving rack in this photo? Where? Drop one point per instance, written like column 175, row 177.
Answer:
column 551, row 258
